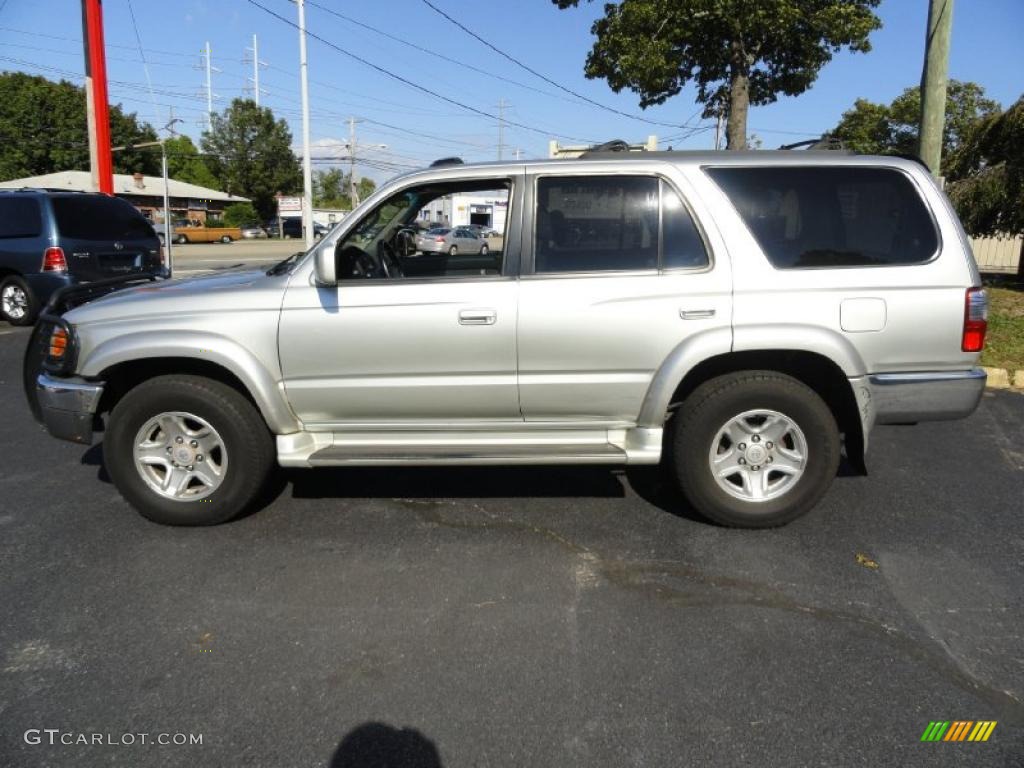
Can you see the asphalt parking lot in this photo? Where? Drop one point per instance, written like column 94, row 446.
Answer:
column 529, row 616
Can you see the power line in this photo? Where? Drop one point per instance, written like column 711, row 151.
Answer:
column 545, row 78
column 404, row 80
column 441, row 56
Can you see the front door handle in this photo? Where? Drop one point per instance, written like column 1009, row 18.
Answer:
column 478, row 317
column 696, row 314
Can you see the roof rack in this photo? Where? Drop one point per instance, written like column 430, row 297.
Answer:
column 826, row 142
column 447, row 161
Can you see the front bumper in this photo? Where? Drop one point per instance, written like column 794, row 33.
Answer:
column 68, row 405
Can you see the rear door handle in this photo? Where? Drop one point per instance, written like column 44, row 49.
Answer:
column 478, row 317
column 696, row 314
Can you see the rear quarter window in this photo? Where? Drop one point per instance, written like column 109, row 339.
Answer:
column 831, row 216
column 85, row 217
column 20, row 217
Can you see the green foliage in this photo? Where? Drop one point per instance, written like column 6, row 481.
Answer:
column 736, row 52
column 237, row 214
column 331, row 189
column 43, row 129
column 184, row 163
column 988, row 174
column 217, row 224
column 251, row 154
column 879, row 129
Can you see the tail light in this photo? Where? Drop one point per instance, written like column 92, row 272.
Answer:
column 54, row 261
column 975, row 320
column 439, row 239
column 163, row 257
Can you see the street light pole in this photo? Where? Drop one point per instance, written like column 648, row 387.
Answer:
column 307, row 167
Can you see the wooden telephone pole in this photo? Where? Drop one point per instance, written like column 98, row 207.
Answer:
column 933, row 83
column 96, row 99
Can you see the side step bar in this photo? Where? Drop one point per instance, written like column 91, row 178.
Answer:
column 605, row 446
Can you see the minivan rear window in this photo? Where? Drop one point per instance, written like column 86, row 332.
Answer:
column 84, row 217
column 838, row 216
column 19, row 217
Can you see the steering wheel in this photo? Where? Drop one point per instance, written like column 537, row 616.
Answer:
column 355, row 262
column 389, row 263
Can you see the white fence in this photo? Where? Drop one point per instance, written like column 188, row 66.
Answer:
column 998, row 254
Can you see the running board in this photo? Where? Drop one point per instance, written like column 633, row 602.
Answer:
column 565, row 446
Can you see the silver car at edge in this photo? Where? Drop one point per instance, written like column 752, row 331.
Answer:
column 451, row 240
column 741, row 316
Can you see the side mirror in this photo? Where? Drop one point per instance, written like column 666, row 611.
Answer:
column 326, row 266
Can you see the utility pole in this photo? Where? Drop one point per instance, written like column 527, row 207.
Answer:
column 933, row 83
column 353, row 190
column 96, row 99
column 206, row 64
column 307, row 167
column 501, row 127
column 256, row 64
column 718, row 130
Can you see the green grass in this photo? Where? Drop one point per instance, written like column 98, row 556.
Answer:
column 1004, row 344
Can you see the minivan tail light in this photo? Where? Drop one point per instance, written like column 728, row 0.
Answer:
column 439, row 239
column 54, row 261
column 975, row 320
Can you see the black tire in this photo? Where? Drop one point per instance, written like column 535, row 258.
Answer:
column 247, row 441
column 453, row 250
column 181, row 239
column 226, row 239
column 21, row 290
column 483, row 249
column 697, row 423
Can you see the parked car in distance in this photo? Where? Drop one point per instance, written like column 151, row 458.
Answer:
column 291, row 227
column 482, row 231
column 744, row 318
column 194, row 231
column 49, row 240
column 253, row 231
column 452, row 241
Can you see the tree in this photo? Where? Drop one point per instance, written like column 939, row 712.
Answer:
column 331, row 189
column 184, row 163
column 43, row 129
column 880, row 129
column 989, row 168
column 250, row 153
column 237, row 214
column 737, row 52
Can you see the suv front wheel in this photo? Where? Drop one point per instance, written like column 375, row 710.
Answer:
column 754, row 449
column 186, row 450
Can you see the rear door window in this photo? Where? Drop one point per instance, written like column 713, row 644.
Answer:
column 84, row 217
column 613, row 223
column 804, row 217
column 20, row 217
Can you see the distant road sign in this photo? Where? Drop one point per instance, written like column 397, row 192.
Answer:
column 289, row 204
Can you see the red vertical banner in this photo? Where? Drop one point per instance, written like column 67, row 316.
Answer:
column 96, row 95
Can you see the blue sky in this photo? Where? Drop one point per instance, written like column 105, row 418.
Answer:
column 42, row 36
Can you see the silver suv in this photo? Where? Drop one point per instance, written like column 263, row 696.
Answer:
column 742, row 317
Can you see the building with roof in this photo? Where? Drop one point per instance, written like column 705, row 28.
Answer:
column 188, row 201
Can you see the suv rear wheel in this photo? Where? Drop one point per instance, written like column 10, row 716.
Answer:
column 754, row 449
column 17, row 304
column 186, row 450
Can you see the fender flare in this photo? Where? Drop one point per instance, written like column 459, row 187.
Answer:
column 261, row 384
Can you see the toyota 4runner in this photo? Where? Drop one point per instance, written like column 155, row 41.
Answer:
column 742, row 317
